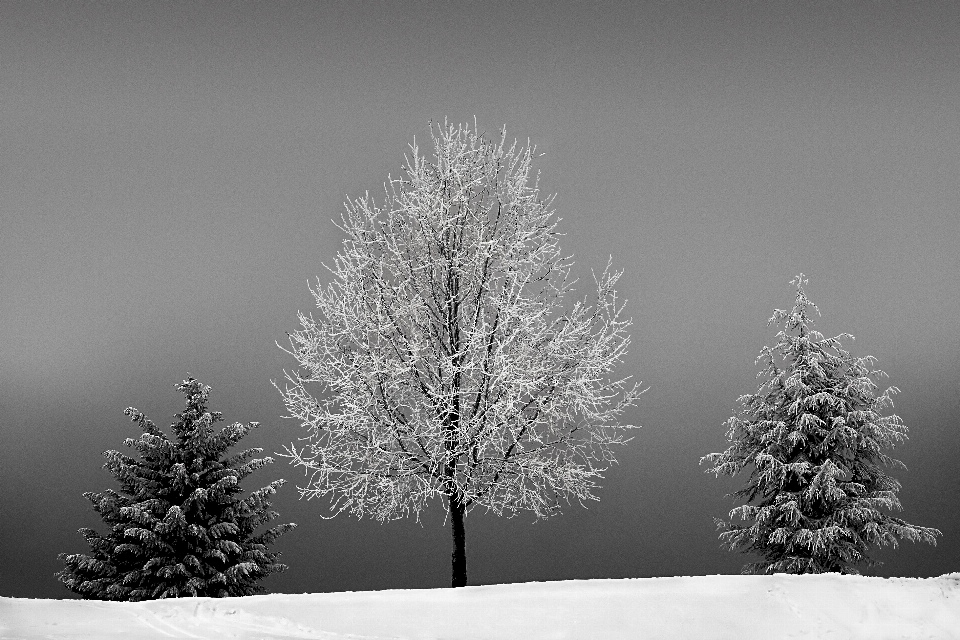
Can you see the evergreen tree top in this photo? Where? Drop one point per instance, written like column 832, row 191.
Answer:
column 798, row 317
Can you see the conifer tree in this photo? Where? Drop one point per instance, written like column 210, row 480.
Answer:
column 178, row 526
column 813, row 438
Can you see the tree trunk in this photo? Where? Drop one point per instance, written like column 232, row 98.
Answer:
column 459, row 541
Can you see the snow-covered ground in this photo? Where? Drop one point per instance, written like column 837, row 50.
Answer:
column 703, row 607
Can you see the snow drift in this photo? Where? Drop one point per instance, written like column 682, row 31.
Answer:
column 703, row 607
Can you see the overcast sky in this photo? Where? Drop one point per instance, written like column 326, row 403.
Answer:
column 169, row 172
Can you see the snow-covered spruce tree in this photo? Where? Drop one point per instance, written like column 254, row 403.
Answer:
column 178, row 526
column 813, row 438
column 447, row 365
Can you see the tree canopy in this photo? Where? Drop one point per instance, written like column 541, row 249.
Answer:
column 444, row 361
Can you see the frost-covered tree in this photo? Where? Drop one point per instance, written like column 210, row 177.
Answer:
column 445, row 361
column 178, row 526
column 813, row 439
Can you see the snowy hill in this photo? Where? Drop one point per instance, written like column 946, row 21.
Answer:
column 740, row 607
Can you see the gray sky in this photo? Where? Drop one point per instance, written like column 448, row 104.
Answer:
column 169, row 172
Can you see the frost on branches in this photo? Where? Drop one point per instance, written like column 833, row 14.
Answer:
column 812, row 437
column 178, row 526
column 446, row 362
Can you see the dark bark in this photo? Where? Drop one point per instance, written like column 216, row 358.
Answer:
column 459, row 556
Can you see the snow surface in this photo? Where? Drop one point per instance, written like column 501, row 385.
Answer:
column 703, row 607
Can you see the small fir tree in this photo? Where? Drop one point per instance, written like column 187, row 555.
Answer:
column 813, row 437
column 178, row 526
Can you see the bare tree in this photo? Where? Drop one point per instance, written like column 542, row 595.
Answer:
column 446, row 362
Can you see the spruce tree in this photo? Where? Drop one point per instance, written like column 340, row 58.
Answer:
column 813, row 439
column 178, row 526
